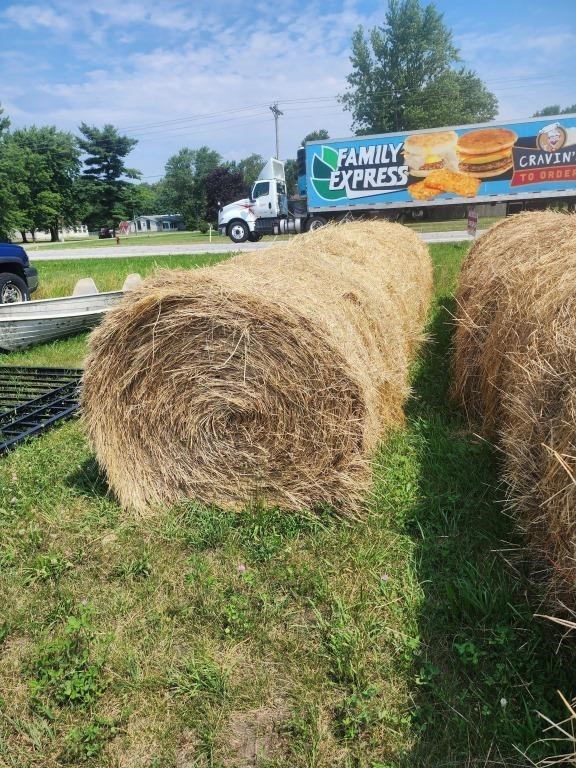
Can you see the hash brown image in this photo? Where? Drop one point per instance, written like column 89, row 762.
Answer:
column 439, row 181
column 453, row 181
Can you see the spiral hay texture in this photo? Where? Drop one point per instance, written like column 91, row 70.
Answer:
column 268, row 377
column 515, row 373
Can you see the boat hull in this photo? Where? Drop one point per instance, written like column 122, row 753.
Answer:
column 36, row 322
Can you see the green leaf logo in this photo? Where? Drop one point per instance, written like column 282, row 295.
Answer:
column 330, row 157
column 322, row 167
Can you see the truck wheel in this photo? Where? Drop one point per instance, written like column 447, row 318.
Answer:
column 12, row 289
column 315, row 223
column 238, row 231
column 254, row 237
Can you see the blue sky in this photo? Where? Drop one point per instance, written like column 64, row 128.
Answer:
column 174, row 74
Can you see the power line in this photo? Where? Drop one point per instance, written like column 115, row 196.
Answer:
column 325, row 105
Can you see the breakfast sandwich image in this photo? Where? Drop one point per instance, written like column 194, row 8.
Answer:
column 486, row 152
column 426, row 152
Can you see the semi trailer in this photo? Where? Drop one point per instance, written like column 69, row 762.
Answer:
column 521, row 163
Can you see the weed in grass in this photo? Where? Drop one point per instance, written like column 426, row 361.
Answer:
column 342, row 642
column 201, row 528
column 7, row 557
column 468, row 652
column 61, row 670
column 237, row 619
column 303, row 579
column 58, row 613
column 8, row 511
column 87, row 742
column 357, row 713
column 265, row 532
column 136, row 568
column 30, row 538
column 45, row 567
column 199, row 573
column 4, row 631
column 199, row 676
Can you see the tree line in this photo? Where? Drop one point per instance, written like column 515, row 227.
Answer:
column 50, row 179
column 406, row 74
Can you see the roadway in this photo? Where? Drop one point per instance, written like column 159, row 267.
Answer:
column 124, row 251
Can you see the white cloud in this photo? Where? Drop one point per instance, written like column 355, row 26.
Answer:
column 178, row 74
column 216, row 74
column 524, row 70
column 514, row 39
column 30, row 17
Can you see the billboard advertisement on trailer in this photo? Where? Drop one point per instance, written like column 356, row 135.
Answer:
column 489, row 162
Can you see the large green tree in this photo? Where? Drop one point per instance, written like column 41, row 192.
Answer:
column 14, row 193
column 106, row 174
column 9, row 221
column 183, row 187
column 4, row 121
column 318, row 135
column 291, row 175
column 223, row 185
column 143, row 200
column 250, row 168
column 40, row 167
column 407, row 74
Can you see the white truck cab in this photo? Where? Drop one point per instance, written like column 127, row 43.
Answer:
column 261, row 213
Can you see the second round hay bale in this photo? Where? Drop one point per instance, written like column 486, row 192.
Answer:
column 515, row 372
column 270, row 376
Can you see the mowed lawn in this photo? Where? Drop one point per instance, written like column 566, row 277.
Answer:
column 142, row 238
column 197, row 238
column 199, row 637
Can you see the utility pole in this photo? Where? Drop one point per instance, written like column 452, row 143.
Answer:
column 276, row 112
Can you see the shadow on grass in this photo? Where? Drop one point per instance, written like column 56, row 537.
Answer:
column 89, row 479
column 486, row 665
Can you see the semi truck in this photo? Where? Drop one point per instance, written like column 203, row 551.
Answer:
column 521, row 163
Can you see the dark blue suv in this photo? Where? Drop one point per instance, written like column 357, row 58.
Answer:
column 17, row 278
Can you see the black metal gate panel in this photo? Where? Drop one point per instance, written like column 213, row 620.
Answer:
column 33, row 399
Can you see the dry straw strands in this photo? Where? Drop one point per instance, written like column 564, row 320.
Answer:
column 515, row 372
column 270, row 376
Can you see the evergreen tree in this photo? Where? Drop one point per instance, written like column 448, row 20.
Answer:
column 106, row 173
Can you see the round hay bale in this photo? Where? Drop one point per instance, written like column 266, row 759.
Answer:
column 270, row 376
column 515, row 372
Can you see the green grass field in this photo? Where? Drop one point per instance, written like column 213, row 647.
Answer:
column 204, row 638
column 196, row 238
column 148, row 238
column 454, row 225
